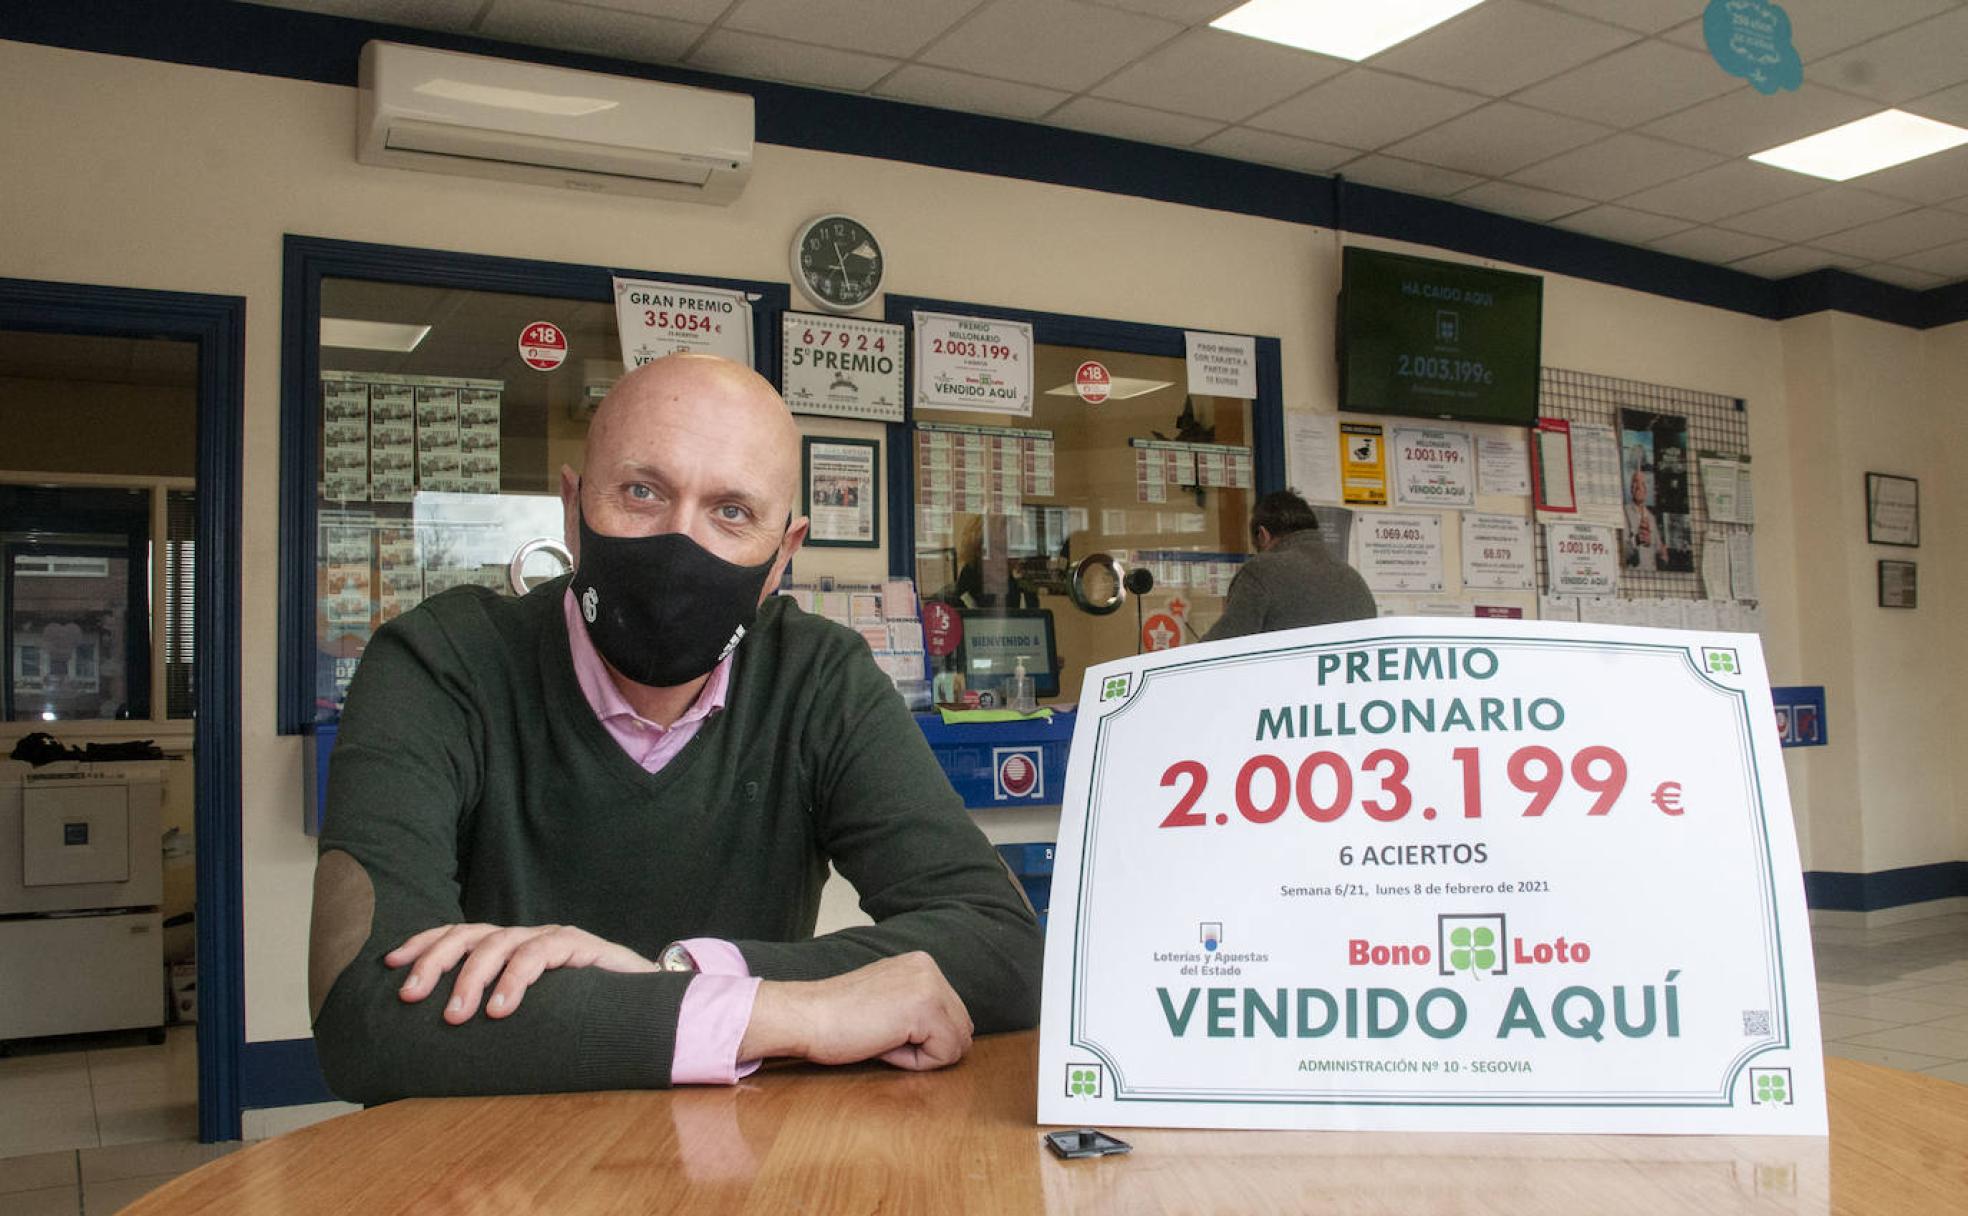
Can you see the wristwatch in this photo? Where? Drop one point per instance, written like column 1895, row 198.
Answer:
column 675, row 957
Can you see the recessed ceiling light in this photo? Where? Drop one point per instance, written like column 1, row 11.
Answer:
column 1119, row 388
column 1890, row 137
column 371, row 335
column 1345, row 29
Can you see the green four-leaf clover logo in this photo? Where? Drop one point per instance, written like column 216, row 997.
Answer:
column 1082, row 1082
column 1472, row 951
column 1772, row 1088
column 1116, row 686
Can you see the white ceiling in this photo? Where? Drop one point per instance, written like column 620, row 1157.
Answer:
column 1603, row 116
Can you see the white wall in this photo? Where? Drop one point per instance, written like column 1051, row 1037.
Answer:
column 150, row 175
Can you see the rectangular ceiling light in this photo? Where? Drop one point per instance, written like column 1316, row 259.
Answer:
column 1891, row 137
column 1344, row 29
column 371, row 335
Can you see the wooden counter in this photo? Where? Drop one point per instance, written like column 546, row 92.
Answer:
column 872, row 1139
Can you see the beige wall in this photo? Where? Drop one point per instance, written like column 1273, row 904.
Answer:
column 192, row 177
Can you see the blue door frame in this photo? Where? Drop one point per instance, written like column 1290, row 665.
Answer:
column 217, row 324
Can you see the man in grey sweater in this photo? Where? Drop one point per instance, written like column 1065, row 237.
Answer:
column 1294, row 580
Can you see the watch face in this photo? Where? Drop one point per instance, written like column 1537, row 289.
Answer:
column 837, row 263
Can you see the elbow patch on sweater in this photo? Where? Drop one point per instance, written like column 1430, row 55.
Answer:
column 344, row 914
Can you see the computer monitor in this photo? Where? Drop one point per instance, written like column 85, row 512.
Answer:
column 994, row 639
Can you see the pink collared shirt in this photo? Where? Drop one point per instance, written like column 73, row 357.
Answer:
column 717, row 1007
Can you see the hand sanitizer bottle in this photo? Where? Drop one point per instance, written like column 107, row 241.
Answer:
column 1020, row 693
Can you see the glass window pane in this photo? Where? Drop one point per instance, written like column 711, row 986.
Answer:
column 441, row 448
column 74, row 612
column 1156, row 477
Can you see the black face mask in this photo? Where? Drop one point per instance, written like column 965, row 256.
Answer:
column 663, row 610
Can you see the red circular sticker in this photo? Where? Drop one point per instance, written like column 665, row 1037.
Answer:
column 1092, row 382
column 543, row 345
column 1160, row 632
column 942, row 628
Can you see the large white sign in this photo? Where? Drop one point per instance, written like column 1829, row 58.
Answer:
column 1435, row 875
column 973, row 363
column 658, row 319
column 841, row 367
column 1434, row 468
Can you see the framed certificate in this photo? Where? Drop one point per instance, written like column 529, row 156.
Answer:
column 841, row 488
column 1897, row 585
column 1892, row 510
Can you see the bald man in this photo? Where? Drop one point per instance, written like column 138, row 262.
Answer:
column 576, row 840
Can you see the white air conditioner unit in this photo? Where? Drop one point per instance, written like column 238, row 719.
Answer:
column 451, row 113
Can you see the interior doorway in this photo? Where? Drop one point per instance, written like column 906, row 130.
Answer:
column 119, row 612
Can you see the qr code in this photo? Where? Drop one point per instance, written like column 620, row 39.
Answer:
column 1756, row 1021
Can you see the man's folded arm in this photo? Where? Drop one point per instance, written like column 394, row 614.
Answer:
column 894, row 828
column 405, row 765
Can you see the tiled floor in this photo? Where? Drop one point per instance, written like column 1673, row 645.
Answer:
column 85, row 1131
column 1897, row 996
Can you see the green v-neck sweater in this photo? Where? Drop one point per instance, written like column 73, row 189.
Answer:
column 471, row 782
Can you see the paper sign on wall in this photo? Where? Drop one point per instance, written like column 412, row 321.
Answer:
column 973, row 363
column 1400, row 552
column 1581, row 559
column 1497, row 552
column 1433, row 468
column 657, row 319
column 841, row 367
column 1363, row 464
column 1407, row 875
column 1221, row 365
column 1312, row 455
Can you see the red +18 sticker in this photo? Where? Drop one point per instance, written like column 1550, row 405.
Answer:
column 543, row 345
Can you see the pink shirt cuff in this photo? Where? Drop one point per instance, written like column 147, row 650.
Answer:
column 717, row 1007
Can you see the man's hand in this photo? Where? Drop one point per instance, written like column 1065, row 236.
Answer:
column 515, row 956
column 900, row 1010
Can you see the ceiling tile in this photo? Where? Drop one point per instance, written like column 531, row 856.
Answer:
column 776, row 59
column 1646, row 16
column 1364, row 109
column 1616, row 166
column 1500, row 46
column 1728, row 188
column 1793, row 260
column 1509, row 198
column 1622, row 224
column 1714, row 244
column 1188, row 12
column 1218, row 75
column 704, row 12
column 1745, row 121
column 1285, row 151
column 1888, row 239
column 1949, row 260
column 1050, row 42
column 1904, row 276
column 598, row 31
column 1916, row 59
column 872, row 27
column 975, row 94
column 1810, row 216
column 1132, row 122
column 1500, row 138
column 1637, row 84
column 1948, row 105
column 1392, row 173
